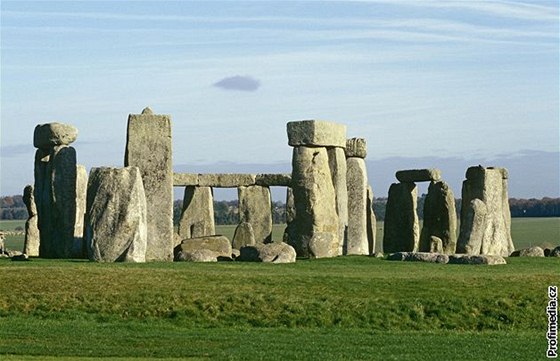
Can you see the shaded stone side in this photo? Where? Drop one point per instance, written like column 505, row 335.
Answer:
column 197, row 217
column 356, row 178
column 371, row 221
column 255, row 208
column 316, row 230
column 440, row 218
column 116, row 217
column 337, row 165
column 401, row 230
column 32, row 238
column 290, row 230
column 149, row 148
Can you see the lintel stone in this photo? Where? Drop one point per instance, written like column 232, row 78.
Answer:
column 418, row 175
column 231, row 180
column 273, row 180
column 316, row 133
column 185, row 179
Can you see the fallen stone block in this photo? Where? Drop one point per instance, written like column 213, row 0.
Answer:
column 529, row 252
column 419, row 257
column 219, row 244
column 199, row 255
column 476, row 259
column 269, row 253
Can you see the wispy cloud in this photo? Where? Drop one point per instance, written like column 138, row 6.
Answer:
column 238, row 82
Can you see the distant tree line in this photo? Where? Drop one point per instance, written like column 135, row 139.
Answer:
column 226, row 212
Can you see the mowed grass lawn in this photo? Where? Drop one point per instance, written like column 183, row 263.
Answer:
column 348, row 308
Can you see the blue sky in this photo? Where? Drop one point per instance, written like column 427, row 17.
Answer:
column 473, row 80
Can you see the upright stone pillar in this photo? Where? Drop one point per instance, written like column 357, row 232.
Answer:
column 337, row 164
column 357, row 183
column 290, row 230
column 255, row 208
column 79, row 250
column 32, row 240
column 316, row 233
column 401, row 231
column 149, row 147
column 197, row 217
column 485, row 224
column 440, row 218
column 371, row 221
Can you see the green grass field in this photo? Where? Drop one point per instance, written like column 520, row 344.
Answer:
column 348, row 308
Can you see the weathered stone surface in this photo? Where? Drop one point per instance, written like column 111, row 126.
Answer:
column 316, row 233
column 32, row 238
column 148, row 147
column 555, row 252
column 2, row 245
column 419, row 257
column 221, row 245
column 49, row 135
column 473, row 224
column 401, row 231
column 529, row 252
column 476, row 259
column 197, row 217
column 418, row 175
column 337, row 165
column 436, row 245
column 273, row 180
column 199, row 255
column 371, row 221
column 316, row 133
column 356, row 181
column 356, row 147
column 243, row 236
column 290, row 231
column 43, row 193
column 79, row 250
column 116, row 224
column 440, row 218
column 185, row 179
column 226, row 180
column 490, row 186
column 255, row 208
column 271, row 253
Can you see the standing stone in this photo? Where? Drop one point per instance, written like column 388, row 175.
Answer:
column 42, row 191
column 473, row 224
column 436, row 245
column 290, row 230
column 356, row 178
column 149, row 147
column 489, row 185
column 79, row 250
column 116, row 218
column 440, row 218
column 255, row 207
column 197, row 217
column 401, row 232
column 356, row 147
column 337, row 164
column 371, row 221
column 316, row 230
column 243, row 236
column 31, row 245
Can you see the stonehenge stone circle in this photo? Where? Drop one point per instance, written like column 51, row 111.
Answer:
column 491, row 234
column 116, row 216
column 31, row 243
column 338, row 168
column 243, row 236
column 440, row 218
column 418, row 175
column 357, row 183
column 149, row 148
column 401, row 231
column 316, row 133
column 255, row 208
column 50, row 135
column 197, row 216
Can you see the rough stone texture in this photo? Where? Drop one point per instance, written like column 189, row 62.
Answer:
column 49, row 135
column 356, row 147
column 271, row 253
column 436, row 245
column 221, row 245
column 148, row 147
column 529, row 252
column 371, row 221
column 401, row 231
column 473, row 224
column 199, row 255
column 418, row 175
column 357, row 183
column 197, row 217
column 419, row 257
column 116, row 217
column 476, row 259
column 440, row 218
column 489, row 185
column 243, row 236
column 290, row 231
column 79, row 250
column 274, row 180
column 235, row 253
column 185, row 179
column 32, row 238
column 255, row 208
column 337, row 165
column 226, row 180
column 555, row 252
column 316, row 229
column 316, row 133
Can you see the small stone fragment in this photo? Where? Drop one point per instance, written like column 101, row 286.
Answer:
column 356, row 147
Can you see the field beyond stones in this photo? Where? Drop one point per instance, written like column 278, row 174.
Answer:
column 328, row 309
